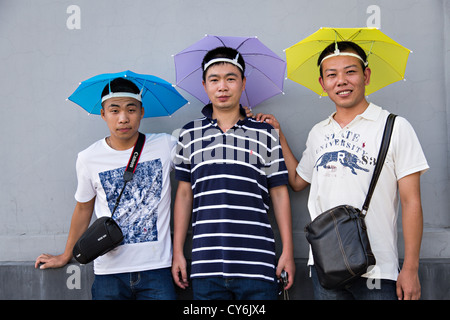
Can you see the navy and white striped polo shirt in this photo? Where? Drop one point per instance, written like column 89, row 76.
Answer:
column 231, row 174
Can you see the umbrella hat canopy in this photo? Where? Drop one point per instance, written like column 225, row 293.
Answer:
column 387, row 58
column 265, row 70
column 159, row 98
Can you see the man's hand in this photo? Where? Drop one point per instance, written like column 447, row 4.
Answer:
column 268, row 118
column 46, row 261
column 408, row 285
column 262, row 117
column 179, row 272
column 287, row 264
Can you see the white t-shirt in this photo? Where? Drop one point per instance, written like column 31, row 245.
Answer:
column 339, row 163
column 144, row 209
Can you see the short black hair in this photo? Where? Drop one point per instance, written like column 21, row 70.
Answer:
column 223, row 52
column 120, row 85
column 344, row 46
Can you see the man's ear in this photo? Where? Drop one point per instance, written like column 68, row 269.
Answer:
column 321, row 83
column 367, row 74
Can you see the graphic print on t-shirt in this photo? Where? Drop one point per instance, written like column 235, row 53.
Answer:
column 137, row 213
column 343, row 157
column 345, row 151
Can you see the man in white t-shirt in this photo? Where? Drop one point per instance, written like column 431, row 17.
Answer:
column 338, row 163
column 139, row 268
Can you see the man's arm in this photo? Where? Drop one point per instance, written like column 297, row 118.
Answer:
column 282, row 209
column 295, row 181
column 182, row 216
column 408, row 285
column 80, row 222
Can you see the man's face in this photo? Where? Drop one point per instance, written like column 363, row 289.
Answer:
column 344, row 80
column 123, row 116
column 224, row 85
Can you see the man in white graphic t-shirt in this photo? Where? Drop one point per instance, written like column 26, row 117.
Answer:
column 338, row 163
column 139, row 268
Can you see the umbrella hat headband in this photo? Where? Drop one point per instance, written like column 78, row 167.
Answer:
column 232, row 61
column 123, row 94
column 339, row 53
column 110, row 95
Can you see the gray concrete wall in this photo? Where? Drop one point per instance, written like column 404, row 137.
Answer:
column 20, row 281
column 47, row 47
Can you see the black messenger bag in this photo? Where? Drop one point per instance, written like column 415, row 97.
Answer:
column 338, row 237
column 105, row 234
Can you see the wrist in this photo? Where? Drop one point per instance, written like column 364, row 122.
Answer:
column 411, row 266
column 66, row 256
column 288, row 253
column 178, row 251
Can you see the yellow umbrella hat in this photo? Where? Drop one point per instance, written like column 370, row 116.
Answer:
column 387, row 59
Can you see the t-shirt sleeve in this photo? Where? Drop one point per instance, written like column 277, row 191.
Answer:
column 306, row 165
column 275, row 169
column 182, row 155
column 85, row 189
column 172, row 143
column 408, row 155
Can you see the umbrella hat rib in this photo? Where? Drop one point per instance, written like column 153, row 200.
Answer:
column 243, row 42
column 188, row 75
column 77, row 95
column 157, row 99
column 268, row 78
column 220, row 40
column 244, row 55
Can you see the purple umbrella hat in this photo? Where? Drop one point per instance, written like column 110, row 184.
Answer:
column 265, row 70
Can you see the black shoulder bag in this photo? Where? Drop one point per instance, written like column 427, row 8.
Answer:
column 338, row 237
column 105, row 234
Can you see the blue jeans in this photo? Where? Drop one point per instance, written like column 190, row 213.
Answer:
column 359, row 290
column 218, row 288
column 145, row 285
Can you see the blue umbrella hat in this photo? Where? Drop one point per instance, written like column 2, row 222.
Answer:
column 158, row 97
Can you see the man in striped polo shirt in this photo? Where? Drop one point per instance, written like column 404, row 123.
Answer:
column 229, row 169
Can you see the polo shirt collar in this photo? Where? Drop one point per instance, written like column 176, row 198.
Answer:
column 207, row 111
column 371, row 113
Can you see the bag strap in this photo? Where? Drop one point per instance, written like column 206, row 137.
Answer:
column 380, row 160
column 131, row 166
